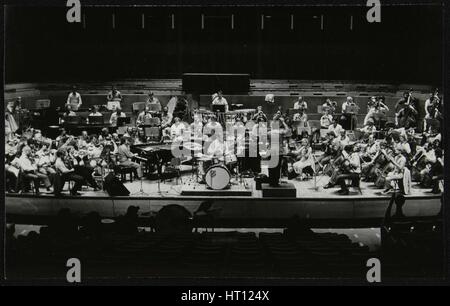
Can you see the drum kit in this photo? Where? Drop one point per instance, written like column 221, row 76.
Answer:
column 217, row 174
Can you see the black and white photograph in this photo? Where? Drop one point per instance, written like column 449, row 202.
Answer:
column 214, row 140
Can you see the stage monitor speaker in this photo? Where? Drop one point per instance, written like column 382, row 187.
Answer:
column 114, row 186
column 209, row 83
column 285, row 190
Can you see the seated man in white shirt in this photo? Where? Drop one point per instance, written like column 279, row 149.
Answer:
column 335, row 127
column 343, row 138
column 74, row 99
column 143, row 116
column 125, row 156
column 69, row 111
column 352, row 172
column 370, row 127
column 29, row 171
column 326, row 120
column 220, row 100
column 114, row 116
column 95, row 112
column 151, row 99
column 177, row 129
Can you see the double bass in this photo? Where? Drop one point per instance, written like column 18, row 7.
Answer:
column 407, row 115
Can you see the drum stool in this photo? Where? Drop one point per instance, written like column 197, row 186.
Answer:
column 123, row 171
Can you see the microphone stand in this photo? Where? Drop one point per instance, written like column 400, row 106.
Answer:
column 141, row 190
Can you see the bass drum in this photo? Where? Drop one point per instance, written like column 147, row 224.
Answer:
column 217, row 177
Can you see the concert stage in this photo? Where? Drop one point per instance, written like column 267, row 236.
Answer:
column 321, row 208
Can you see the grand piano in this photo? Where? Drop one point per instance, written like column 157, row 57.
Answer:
column 155, row 154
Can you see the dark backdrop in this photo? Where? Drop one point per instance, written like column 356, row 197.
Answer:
column 404, row 47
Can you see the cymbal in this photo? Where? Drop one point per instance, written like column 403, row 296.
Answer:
column 192, row 146
column 243, row 111
column 204, row 111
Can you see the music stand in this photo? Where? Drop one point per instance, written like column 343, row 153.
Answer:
column 141, row 189
column 121, row 121
column 154, row 107
column 113, row 105
column 73, row 120
column 353, row 109
column 138, row 106
column 218, row 108
column 122, row 124
column 152, row 121
column 96, row 120
column 152, row 132
column 42, row 103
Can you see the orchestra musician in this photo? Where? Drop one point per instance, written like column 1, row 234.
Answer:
column 301, row 104
column 335, row 127
column 369, row 128
column 116, row 115
column 301, row 127
column 329, row 105
column 181, row 107
column 433, row 109
column 29, row 168
column 436, row 172
column 143, row 116
column 348, row 119
column 177, row 129
column 10, row 117
column 45, row 160
column 197, row 126
column 328, row 148
column 78, row 160
column 219, row 99
column 74, row 99
column 399, row 163
column 69, row 112
column 166, row 122
column 406, row 111
column 125, row 156
column 259, row 114
column 114, row 95
column 326, row 120
column 66, row 174
column 343, row 138
column 151, row 99
column 95, row 112
column 376, row 111
column 351, row 169
column 304, row 159
column 421, row 162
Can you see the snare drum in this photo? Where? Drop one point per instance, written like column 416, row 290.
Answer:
column 217, row 177
column 230, row 159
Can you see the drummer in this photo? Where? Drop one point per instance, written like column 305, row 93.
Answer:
column 213, row 151
column 215, row 147
column 213, row 125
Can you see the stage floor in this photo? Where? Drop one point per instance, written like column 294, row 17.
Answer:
column 185, row 186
